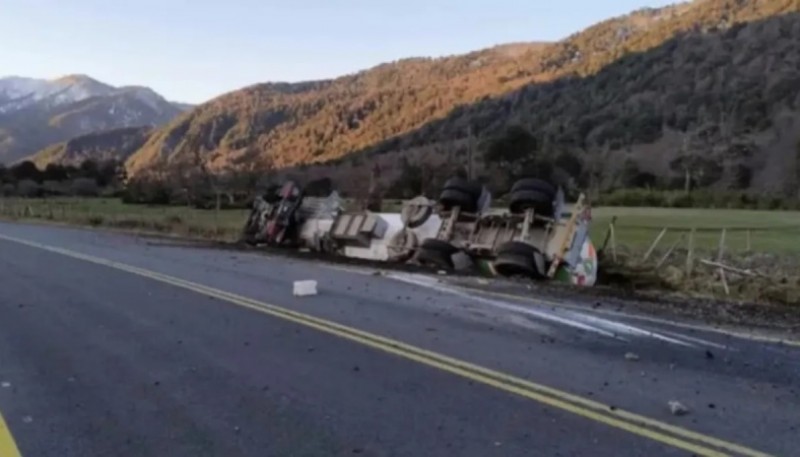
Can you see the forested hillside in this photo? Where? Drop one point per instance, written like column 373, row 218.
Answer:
column 698, row 94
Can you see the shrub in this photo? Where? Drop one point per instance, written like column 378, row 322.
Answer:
column 696, row 199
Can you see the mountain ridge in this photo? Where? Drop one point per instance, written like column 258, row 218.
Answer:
column 35, row 113
column 109, row 145
column 320, row 121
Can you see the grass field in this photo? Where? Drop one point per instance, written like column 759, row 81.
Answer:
column 107, row 212
column 636, row 228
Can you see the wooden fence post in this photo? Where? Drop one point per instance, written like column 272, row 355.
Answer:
column 655, row 243
column 669, row 251
column 721, row 253
column 690, row 254
column 613, row 240
column 610, row 236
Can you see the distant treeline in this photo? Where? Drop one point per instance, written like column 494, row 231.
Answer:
column 90, row 179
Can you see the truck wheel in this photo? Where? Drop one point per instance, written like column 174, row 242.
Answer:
column 534, row 184
column 541, row 202
column 452, row 198
column 402, row 246
column 515, row 258
column 436, row 253
column 416, row 212
column 464, row 185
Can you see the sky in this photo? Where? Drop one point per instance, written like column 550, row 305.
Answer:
column 194, row 50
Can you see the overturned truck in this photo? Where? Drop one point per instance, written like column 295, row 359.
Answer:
column 536, row 234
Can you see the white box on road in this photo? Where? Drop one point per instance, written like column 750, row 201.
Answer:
column 303, row 288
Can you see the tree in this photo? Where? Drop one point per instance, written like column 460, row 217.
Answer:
column 85, row 187
column 797, row 169
column 55, row 172
column 26, row 171
column 89, row 169
column 321, row 187
column 28, row 188
column 516, row 145
column 8, row 189
column 410, row 182
column 632, row 176
column 108, row 173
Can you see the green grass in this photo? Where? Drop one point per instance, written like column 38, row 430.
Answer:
column 636, row 228
column 110, row 212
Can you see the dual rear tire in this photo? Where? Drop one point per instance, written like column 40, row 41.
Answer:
column 516, row 258
column 532, row 193
column 460, row 192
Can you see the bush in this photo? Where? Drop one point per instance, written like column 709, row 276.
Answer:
column 28, row 188
column 95, row 220
column 85, row 187
column 696, row 199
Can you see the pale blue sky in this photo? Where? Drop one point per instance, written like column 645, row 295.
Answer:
column 192, row 50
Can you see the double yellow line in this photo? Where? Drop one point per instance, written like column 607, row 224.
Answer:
column 697, row 443
column 7, row 446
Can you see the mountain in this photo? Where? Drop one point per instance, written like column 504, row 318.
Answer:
column 660, row 89
column 35, row 113
column 117, row 144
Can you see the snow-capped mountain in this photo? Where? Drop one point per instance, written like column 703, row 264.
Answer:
column 35, row 113
column 17, row 93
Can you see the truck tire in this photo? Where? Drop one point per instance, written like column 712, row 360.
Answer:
column 464, row 185
column 402, row 246
column 534, row 184
column 416, row 212
column 515, row 258
column 452, row 198
column 541, row 202
column 436, row 253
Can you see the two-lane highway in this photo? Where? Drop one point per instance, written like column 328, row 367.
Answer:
column 116, row 345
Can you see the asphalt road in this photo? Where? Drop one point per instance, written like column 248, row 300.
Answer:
column 125, row 346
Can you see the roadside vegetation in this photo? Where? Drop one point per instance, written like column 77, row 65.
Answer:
column 773, row 232
column 763, row 242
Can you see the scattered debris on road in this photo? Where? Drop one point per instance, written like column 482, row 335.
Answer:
column 631, row 356
column 677, row 408
column 305, row 288
column 5, row 384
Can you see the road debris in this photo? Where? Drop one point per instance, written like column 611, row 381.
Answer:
column 5, row 384
column 631, row 356
column 677, row 408
column 305, row 288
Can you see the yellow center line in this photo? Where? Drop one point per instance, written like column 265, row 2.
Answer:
column 697, row 443
column 8, row 448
